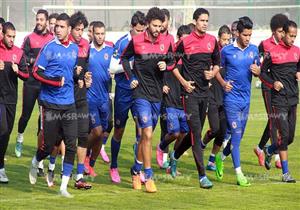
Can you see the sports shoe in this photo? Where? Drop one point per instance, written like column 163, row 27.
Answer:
column 104, row 156
column 205, row 183
column 165, row 165
column 114, row 175
column 65, row 193
column 268, row 159
column 260, row 156
column 242, row 180
column 150, row 186
column 211, row 167
column 50, row 178
column 41, row 172
column 18, row 149
column 278, row 164
column 3, row 177
column 82, row 184
column 173, row 165
column 142, row 177
column 136, row 182
column 159, row 156
column 168, row 171
column 92, row 172
column 288, row 178
column 219, row 167
column 33, row 174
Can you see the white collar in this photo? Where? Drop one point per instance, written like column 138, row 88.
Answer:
column 93, row 46
column 236, row 45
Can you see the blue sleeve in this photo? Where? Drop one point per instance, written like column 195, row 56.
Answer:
column 257, row 57
column 223, row 59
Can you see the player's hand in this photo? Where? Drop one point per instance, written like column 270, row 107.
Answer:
column 255, row 69
column 208, row 74
column 189, row 86
column 78, row 70
column 298, row 76
column 62, row 81
column 80, row 83
column 278, row 86
column 134, row 83
column 1, row 65
column 166, row 89
column 228, row 86
column 162, row 65
column 15, row 67
column 88, row 79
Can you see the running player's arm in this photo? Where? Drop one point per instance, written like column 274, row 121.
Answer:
column 264, row 76
column 127, row 54
column 166, row 80
column 29, row 59
column 170, row 60
column 40, row 66
column 298, row 71
column 21, row 69
column 216, row 59
column 227, row 86
column 115, row 66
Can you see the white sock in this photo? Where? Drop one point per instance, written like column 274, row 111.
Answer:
column 165, row 157
column 64, row 182
column 20, row 138
column 139, row 162
column 51, row 167
column 102, row 147
column 238, row 170
column 41, row 164
column 79, row 176
column 2, row 170
column 62, row 162
column 277, row 157
column 223, row 157
column 34, row 162
column 258, row 149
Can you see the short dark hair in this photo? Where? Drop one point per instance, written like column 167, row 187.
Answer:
column 98, row 24
column 92, row 23
column 183, row 29
column 64, row 17
column 224, row 29
column 138, row 18
column 2, row 21
column 77, row 19
column 8, row 26
column 289, row 24
column 42, row 11
column 199, row 12
column 277, row 21
column 244, row 23
column 166, row 13
column 192, row 26
column 53, row 15
column 234, row 23
column 155, row 13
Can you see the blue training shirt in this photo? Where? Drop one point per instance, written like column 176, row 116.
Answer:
column 58, row 60
column 98, row 64
column 236, row 63
column 120, row 46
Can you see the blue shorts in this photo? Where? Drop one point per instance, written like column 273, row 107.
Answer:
column 146, row 112
column 99, row 115
column 176, row 120
column 122, row 104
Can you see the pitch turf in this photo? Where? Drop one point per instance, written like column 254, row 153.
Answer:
column 266, row 192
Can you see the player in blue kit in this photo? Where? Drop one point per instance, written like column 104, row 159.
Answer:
column 123, row 93
column 241, row 60
column 54, row 68
column 98, row 94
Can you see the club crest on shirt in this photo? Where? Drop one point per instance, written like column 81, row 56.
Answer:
column 251, row 54
column 208, row 46
column 233, row 125
column 162, row 47
column 14, row 57
column 106, row 56
column 296, row 56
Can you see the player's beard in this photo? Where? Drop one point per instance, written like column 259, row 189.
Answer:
column 39, row 31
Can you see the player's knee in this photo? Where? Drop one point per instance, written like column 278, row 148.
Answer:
column 82, row 142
